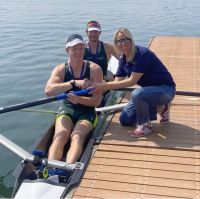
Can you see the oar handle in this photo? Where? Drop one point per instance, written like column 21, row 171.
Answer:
column 81, row 92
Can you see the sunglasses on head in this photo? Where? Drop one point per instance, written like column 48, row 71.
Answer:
column 123, row 41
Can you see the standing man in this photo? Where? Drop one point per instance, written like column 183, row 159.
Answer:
column 98, row 51
column 77, row 116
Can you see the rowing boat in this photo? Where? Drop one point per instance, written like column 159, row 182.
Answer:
column 27, row 187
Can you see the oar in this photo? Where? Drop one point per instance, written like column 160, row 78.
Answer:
column 40, row 101
column 115, row 107
column 184, row 93
column 25, row 155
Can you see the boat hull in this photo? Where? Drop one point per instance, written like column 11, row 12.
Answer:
column 24, row 173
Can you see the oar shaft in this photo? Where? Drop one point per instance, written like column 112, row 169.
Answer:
column 40, row 102
column 27, row 105
column 184, row 93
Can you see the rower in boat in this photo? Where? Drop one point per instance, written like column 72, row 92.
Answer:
column 77, row 116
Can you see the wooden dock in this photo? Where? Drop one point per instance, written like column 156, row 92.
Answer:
column 166, row 163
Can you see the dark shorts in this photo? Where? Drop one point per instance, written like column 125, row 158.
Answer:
column 77, row 114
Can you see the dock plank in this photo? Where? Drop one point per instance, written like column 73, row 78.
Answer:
column 166, row 163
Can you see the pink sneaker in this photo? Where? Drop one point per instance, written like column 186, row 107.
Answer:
column 142, row 130
column 164, row 114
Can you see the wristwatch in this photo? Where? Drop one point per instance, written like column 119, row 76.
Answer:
column 72, row 82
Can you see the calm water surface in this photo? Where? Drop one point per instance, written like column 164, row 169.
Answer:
column 32, row 38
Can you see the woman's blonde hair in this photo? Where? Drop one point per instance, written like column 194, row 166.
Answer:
column 128, row 35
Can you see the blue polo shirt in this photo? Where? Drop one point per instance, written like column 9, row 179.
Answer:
column 145, row 61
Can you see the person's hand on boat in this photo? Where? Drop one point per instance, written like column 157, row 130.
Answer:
column 74, row 99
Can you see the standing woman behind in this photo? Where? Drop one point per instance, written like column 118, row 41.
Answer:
column 144, row 68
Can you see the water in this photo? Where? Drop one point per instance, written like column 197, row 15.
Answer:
column 32, row 40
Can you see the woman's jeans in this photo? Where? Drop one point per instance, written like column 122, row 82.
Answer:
column 142, row 106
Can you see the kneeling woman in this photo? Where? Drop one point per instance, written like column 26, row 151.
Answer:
column 144, row 68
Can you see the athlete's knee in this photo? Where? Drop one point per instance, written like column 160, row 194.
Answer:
column 76, row 137
column 60, row 138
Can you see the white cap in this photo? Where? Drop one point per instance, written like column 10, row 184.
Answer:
column 73, row 40
column 93, row 25
column 94, row 28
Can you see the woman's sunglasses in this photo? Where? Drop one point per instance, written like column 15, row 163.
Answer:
column 123, row 41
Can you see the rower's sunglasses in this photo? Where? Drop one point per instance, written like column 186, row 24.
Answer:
column 123, row 41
